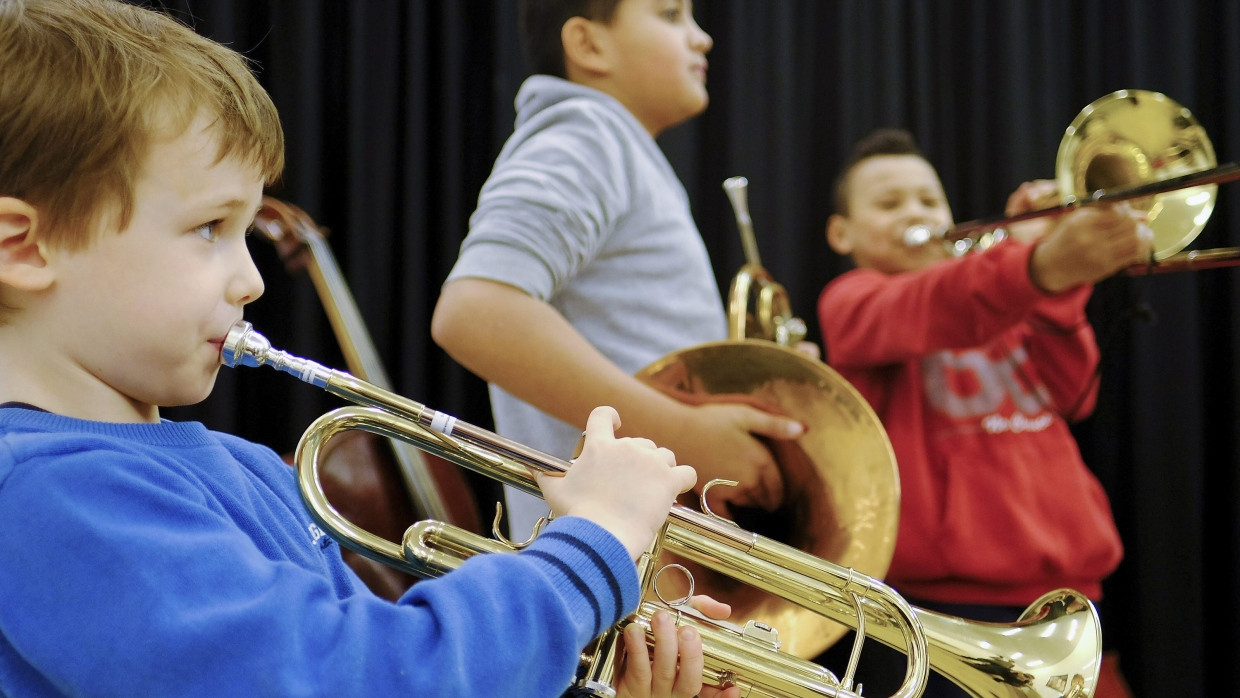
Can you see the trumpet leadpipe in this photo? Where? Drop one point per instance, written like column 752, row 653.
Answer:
column 245, row 347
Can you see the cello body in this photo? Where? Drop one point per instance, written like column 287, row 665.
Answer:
column 384, row 485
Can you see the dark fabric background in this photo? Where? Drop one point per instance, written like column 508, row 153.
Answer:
column 394, row 112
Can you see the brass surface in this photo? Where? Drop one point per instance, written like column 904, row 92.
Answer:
column 841, row 499
column 841, row 485
column 1132, row 137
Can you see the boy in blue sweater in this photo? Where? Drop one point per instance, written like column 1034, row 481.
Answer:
column 143, row 557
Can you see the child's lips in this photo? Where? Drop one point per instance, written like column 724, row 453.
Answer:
column 218, row 342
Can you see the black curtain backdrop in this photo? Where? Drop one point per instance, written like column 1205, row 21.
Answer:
column 394, row 112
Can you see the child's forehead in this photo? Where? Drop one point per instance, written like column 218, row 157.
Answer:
column 189, row 126
column 170, row 140
column 189, row 171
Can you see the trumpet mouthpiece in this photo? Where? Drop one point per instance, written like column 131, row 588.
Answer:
column 244, row 346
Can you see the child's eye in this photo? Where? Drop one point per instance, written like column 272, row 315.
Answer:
column 208, row 231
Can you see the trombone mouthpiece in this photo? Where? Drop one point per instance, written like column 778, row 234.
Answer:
column 920, row 234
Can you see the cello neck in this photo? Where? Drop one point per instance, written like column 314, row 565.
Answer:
column 295, row 234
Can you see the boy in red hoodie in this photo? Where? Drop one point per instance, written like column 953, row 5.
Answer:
column 975, row 365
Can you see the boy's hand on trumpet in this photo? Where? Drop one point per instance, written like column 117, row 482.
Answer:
column 625, row 485
column 673, row 667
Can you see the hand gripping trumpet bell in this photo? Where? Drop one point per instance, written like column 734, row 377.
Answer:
column 1052, row 651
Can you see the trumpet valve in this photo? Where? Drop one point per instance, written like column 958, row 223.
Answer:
column 761, row 634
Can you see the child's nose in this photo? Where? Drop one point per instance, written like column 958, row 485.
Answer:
column 247, row 284
column 701, row 40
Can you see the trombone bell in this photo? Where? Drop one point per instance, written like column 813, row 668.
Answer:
column 1131, row 137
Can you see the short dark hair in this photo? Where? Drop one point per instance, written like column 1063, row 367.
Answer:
column 540, row 23
column 883, row 141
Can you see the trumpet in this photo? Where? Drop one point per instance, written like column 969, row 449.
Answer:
column 1058, row 635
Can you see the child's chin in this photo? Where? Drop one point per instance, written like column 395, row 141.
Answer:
column 189, row 396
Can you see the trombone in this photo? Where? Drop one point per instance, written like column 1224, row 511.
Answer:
column 1053, row 650
column 1128, row 146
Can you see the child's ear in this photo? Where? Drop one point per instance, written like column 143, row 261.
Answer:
column 837, row 234
column 585, row 47
column 22, row 262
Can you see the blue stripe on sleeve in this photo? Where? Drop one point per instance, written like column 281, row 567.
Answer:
column 612, row 583
column 577, row 583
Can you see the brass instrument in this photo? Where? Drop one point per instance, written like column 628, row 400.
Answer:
column 841, row 486
column 1053, row 650
column 758, row 307
column 1134, row 146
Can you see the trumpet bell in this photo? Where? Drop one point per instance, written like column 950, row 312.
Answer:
column 841, row 485
column 1052, row 651
column 1133, row 137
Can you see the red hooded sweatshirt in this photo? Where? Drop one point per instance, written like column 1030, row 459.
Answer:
column 974, row 372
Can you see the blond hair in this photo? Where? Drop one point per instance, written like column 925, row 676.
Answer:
column 86, row 85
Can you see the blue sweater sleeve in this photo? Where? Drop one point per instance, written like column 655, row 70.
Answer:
column 195, row 571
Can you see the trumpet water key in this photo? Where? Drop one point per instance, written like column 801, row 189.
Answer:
column 1052, row 650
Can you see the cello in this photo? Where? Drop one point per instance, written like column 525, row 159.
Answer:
column 383, row 484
